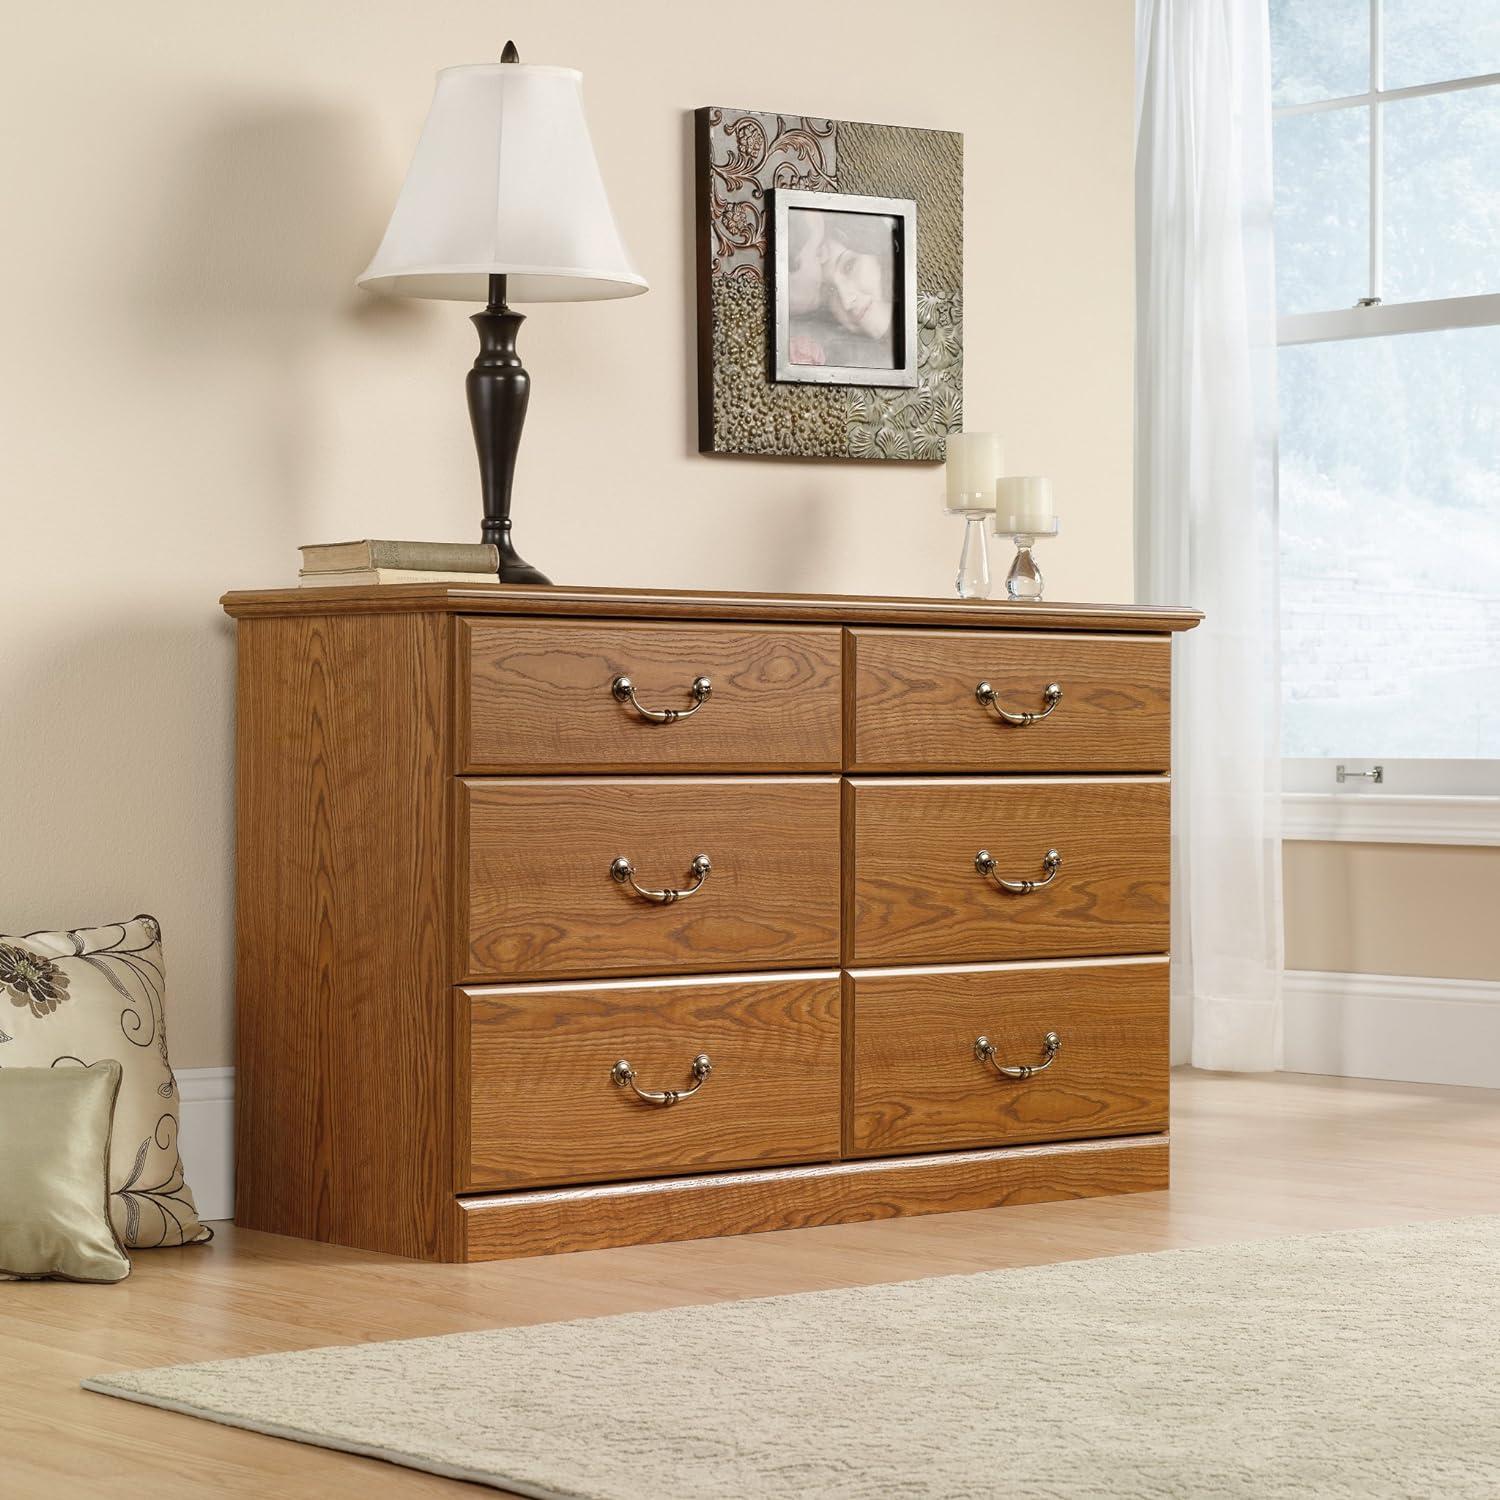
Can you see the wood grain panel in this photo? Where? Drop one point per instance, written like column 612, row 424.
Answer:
column 917, row 1085
column 592, row 1218
column 540, row 901
column 543, row 1107
column 342, row 1107
column 915, row 896
column 915, row 709
column 536, row 696
column 678, row 604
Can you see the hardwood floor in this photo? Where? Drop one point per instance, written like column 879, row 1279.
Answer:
column 1251, row 1157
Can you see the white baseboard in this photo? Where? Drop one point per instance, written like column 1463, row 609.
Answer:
column 1393, row 1026
column 206, row 1139
column 1347, row 1025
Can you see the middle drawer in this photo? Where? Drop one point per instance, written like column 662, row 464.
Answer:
column 976, row 868
column 559, row 875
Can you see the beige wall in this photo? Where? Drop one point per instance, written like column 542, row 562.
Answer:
column 1393, row 909
column 191, row 386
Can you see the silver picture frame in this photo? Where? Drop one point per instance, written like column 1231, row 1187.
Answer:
column 903, row 372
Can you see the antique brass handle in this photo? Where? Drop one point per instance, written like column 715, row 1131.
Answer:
column 1051, row 696
column 624, row 871
column 623, row 1076
column 624, row 690
column 984, row 1050
column 984, row 862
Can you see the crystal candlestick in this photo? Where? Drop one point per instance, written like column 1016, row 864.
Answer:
column 1024, row 581
column 973, row 580
column 971, row 464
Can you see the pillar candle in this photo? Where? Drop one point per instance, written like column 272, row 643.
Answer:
column 974, row 463
column 1023, row 503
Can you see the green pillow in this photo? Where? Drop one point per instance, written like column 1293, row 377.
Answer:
column 55, row 1127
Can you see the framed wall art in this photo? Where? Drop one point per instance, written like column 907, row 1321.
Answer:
column 830, row 287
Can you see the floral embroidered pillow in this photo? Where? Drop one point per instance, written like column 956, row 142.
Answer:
column 71, row 999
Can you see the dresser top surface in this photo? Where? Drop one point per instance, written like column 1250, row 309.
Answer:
column 572, row 601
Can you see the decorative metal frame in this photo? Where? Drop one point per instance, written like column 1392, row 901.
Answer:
column 742, row 159
column 903, row 290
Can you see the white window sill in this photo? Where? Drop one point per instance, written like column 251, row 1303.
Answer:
column 1371, row 817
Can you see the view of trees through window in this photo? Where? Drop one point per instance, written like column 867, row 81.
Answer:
column 1390, row 445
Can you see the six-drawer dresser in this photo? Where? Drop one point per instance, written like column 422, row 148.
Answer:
column 579, row 917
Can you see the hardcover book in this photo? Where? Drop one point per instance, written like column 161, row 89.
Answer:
column 447, row 557
column 365, row 576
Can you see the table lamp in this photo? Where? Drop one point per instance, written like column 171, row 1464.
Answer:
column 503, row 200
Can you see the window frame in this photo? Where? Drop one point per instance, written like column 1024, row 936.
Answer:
column 1439, row 801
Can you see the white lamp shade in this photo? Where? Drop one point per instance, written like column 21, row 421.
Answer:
column 504, row 181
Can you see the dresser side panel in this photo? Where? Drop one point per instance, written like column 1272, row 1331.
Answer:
column 344, row 1068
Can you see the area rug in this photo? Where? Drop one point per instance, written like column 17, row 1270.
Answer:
column 1364, row 1364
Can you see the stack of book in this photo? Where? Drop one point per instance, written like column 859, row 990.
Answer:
column 368, row 562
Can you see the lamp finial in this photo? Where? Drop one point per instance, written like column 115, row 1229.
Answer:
column 510, row 54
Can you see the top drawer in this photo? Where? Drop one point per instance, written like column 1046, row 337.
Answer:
column 916, row 704
column 541, row 696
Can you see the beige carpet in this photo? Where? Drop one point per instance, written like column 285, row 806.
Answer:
column 1335, row 1365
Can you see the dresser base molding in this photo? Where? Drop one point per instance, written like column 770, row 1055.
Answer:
column 507, row 1226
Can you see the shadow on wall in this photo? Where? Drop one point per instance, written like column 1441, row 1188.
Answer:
column 136, row 722
column 689, row 210
column 267, row 218
column 792, row 550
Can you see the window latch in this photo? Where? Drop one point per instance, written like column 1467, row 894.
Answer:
column 1342, row 774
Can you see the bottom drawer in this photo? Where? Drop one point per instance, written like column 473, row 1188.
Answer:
column 920, row 1084
column 541, row 1100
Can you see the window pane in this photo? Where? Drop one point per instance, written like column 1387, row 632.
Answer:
column 1428, row 41
column 1322, row 210
column 1320, row 49
column 1390, row 546
column 1442, row 195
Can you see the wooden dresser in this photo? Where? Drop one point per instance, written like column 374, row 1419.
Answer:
column 576, row 917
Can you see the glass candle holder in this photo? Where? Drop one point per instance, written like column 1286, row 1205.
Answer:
column 972, row 462
column 1025, row 581
column 973, row 578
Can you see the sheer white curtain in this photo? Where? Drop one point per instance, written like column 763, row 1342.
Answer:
column 1205, row 488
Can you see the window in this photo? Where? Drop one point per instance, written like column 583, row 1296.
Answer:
column 1387, row 163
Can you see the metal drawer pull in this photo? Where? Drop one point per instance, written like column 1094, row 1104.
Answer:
column 623, row 1077
column 624, row 871
column 984, row 862
column 984, row 1050
column 624, row 690
column 1051, row 696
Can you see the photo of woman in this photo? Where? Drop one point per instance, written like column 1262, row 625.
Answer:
column 841, row 272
